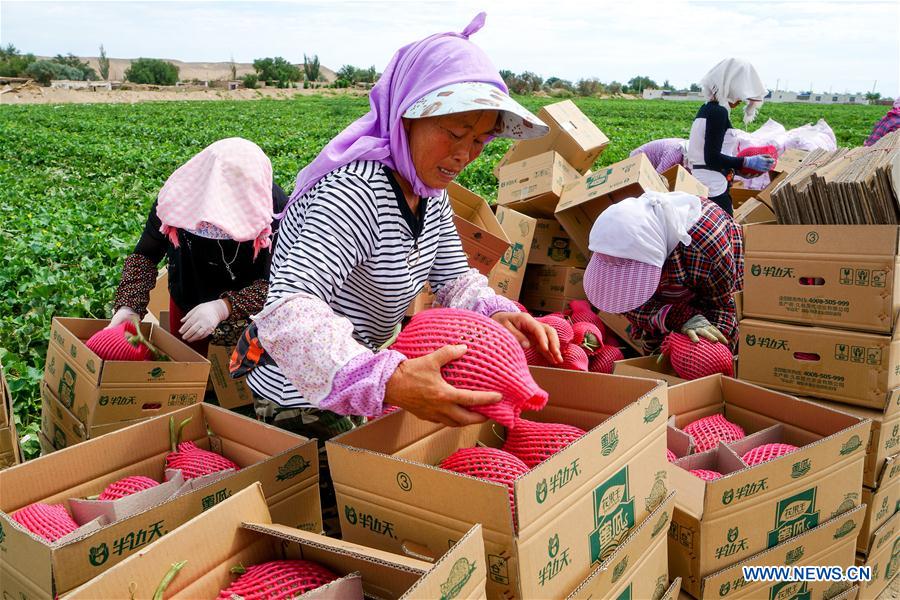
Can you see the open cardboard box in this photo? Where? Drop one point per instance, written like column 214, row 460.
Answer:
column 647, row 367
column 507, row 276
column 230, row 393
column 639, row 567
column 848, row 366
column 584, row 199
column 883, row 557
column 621, row 326
column 533, row 186
column 582, row 501
column 882, row 503
column 752, row 211
column 572, row 134
column 549, row 288
column 718, row 523
column 285, row 464
column 551, row 245
column 103, row 392
column 239, row 531
column 63, row 429
column 681, row 180
column 10, row 453
column 843, row 276
column 830, row 543
column 483, row 239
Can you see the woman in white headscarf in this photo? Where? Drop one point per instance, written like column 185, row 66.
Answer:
column 729, row 83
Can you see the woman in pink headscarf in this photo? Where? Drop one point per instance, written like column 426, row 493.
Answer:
column 213, row 222
column 888, row 123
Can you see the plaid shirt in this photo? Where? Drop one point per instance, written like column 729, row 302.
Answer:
column 887, row 124
column 697, row 279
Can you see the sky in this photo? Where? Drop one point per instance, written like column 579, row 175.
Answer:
column 827, row 46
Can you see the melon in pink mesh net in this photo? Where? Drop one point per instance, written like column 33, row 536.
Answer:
column 126, row 487
column 196, row 462
column 693, row 360
column 766, row 452
column 491, row 464
column 670, row 456
column 603, row 360
column 494, row 361
column 49, row 521
column 755, row 151
column 575, row 358
column 533, row 442
column 705, row 474
column 563, row 328
column 278, row 580
column 113, row 344
column 709, row 431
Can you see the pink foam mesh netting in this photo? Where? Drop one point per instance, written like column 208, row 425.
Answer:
column 705, row 474
column 574, row 358
column 603, row 360
column 709, row 431
column 49, row 521
column 766, row 452
column 563, row 328
column 112, row 344
column 127, row 486
column 278, row 580
column 695, row 360
column 494, row 362
column 492, row 464
column 534, row 358
column 754, row 151
column 588, row 336
column 533, row 442
column 196, row 462
column 670, row 456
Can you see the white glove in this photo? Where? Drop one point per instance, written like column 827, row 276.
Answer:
column 122, row 315
column 202, row 320
column 698, row 326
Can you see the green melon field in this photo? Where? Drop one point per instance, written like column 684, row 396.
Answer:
column 76, row 182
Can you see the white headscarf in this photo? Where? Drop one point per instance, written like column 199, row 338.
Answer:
column 732, row 80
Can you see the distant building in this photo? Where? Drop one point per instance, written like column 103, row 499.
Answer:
column 650, row 94
column 777, row 96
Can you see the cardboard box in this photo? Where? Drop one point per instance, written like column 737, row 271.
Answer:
column 681, row 180
column 285, row 464
column 884, row 441
column 63, row 429
column 533, row 186
column 10, row 453
column 159, row 296
column 572, row 134
column 103, row 392
column 424, row 300
column 648, row 368
column 883, row 557
column 843, row 276
column 752, row 211
column 790, row 161
column 852, row 367
column 572, row 510
column 740, row 196
column 550, row 288
column 483, row 239
column 621, row 326
column 551, row 245
column 230, row 393
column 721, row 522
column 826, row 545
column 638, row 568
column 583, row 200
column 881, row 504
column 240, row 531
column 506, row 278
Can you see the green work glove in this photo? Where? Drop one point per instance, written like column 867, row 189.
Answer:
column 697, row 327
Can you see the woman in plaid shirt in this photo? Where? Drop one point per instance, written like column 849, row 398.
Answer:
column 669, row 262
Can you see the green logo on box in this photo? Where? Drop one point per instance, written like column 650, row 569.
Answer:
column 619, row 569
column 790, row 590
column 660, row 525
column 794, row 555
column 852, row 445
column 844, row 529
column 99, row 554
column 293, row 467
column 799, row 469
column 613, row 516
column 156, row 373
column 609, row 441
column 514, row 257
column 459, row 575
column 893, row 566
column 793, row 516
column 836, row 589
column 626, row 593
column 66, row 389
column 2, row 533
column 653, row 410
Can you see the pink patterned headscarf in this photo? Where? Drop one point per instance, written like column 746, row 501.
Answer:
column 226, row 186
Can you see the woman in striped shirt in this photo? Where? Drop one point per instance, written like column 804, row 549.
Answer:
column 368, row 224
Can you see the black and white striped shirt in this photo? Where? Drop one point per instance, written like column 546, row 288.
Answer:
column 353, row 242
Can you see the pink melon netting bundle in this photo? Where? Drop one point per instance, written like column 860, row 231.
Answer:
column 126, row 487
column 494, row 361
column 278, row 580
column 534, row 442
column 705, row 474
column 755, row 151
column 709, row 431
column 766, row 452
column 49, row 521
column 693, row 360
column 670, row 456
column 196, row 462
column 113, row 344
column 492, row 464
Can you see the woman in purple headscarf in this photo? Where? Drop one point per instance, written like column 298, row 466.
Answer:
column 368, row 224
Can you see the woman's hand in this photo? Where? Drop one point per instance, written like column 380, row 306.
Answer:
column 122, row 315
column 417, row 386
column 203, row 319
column 531, row 332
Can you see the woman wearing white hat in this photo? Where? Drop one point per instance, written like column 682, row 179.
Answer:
column 729, row 83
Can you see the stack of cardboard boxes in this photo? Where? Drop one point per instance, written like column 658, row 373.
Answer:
column 823, row 302
column 83, row 396
column 10, row 453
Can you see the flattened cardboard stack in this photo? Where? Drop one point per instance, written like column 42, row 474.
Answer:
column 855, row 186
column 571, row 512
column 823, row 304
column 239, row 531
column 84, row 396
column 763, row 514
column 30, row 567
column 10, row 453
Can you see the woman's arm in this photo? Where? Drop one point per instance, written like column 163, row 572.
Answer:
column 717, row 123
column 140, row 268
